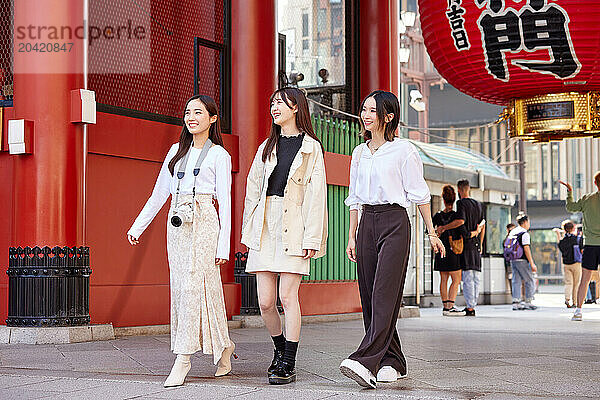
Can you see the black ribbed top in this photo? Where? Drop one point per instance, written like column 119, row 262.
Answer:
column 287, row 148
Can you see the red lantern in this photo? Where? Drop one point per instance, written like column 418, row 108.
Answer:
column 540, row 57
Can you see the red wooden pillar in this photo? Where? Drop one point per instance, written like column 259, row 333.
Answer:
column 253, row 80
column 378, row 46
column 47, row 185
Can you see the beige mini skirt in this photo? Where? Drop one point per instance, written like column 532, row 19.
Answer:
column 271, row 257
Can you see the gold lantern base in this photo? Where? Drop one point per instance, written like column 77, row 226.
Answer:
column 555, row 116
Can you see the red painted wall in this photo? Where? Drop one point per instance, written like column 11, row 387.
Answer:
column 130, row 285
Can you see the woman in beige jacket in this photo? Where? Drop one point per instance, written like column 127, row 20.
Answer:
column 285, row 221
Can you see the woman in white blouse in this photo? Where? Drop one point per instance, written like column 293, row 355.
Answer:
column 386, row 177
column 195, row 172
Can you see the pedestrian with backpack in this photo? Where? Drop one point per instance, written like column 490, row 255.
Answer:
column 509, row 227
column 570, row 248
column 517, row 250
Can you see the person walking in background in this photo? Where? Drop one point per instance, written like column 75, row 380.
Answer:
column 589, row 205
column 521, row 263
column 469, row 213
column 449, row 266
column 509, row 227
column 570, row 246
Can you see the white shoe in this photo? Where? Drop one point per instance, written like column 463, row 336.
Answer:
column 388, row 374
column 454, row 312
column 576, row 317
column 224, row 364
column 358, row 372
column 178, row 373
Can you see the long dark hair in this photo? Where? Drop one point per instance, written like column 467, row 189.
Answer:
column 186, row 138
column 291, row 97
column 386, row 103
column 449, row 195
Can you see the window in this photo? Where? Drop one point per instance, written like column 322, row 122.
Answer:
column 555, row 171
column 304, row 25
column 169, row 75
column 322, row 20
column 497, row 217
column 545, row 177
column 321, row 46
column 546, row 255
column 6, row 53
column 531, row 172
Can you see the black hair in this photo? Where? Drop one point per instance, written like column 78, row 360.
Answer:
column 463, row 184
column 448, row 194
column 522, row 218
column 186, row 138
column 386, row 103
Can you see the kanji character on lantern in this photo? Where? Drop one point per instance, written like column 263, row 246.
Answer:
column 537, row 26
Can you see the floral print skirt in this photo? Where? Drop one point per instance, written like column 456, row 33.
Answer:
column 198, row 318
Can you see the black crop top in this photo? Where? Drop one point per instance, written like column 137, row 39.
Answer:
column 287, row 148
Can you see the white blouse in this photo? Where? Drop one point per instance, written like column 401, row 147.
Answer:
column 214, row 178
column 392, row 175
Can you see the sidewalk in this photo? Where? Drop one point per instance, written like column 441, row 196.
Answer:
column 500, row 354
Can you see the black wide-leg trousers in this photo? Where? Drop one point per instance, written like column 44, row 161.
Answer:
column 382, row 251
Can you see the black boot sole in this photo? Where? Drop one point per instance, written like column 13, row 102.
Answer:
column 278, row 380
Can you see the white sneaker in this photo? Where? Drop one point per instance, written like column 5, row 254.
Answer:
column 576, row 317
column 358, row 372
column 388, row 374
column 454, row 312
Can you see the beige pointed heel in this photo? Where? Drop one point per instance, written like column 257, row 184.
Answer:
column 224, row 364
column 178, row 373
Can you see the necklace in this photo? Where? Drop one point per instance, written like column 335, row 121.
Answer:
column 374, row 149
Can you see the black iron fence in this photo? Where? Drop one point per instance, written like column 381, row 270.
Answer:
column 48, row 286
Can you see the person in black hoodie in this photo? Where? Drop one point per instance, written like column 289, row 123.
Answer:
column 570, row 247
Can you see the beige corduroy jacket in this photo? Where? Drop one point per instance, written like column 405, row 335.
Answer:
column 304, row 201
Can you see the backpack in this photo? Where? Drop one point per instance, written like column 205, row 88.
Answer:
column 577, row 253
column 513, row 249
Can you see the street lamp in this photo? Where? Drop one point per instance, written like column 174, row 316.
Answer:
column 403, row 54
column 416, row 100
column 408, row 18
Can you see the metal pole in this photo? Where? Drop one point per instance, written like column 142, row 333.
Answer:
column 418, row 256
column 523, row 193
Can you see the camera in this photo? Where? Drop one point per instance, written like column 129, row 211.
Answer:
column 182, row 213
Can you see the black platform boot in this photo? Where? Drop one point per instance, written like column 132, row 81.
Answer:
column 284, row 373
column 279, row 342
column 277, row 359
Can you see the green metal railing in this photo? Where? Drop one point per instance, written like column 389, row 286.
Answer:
column 339, row 137
column 335, row 266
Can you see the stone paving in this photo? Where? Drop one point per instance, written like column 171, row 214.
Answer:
column 500, row 354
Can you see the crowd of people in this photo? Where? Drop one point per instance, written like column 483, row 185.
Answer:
column 462, row 233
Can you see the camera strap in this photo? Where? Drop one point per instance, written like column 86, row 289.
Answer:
column 181, row 172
